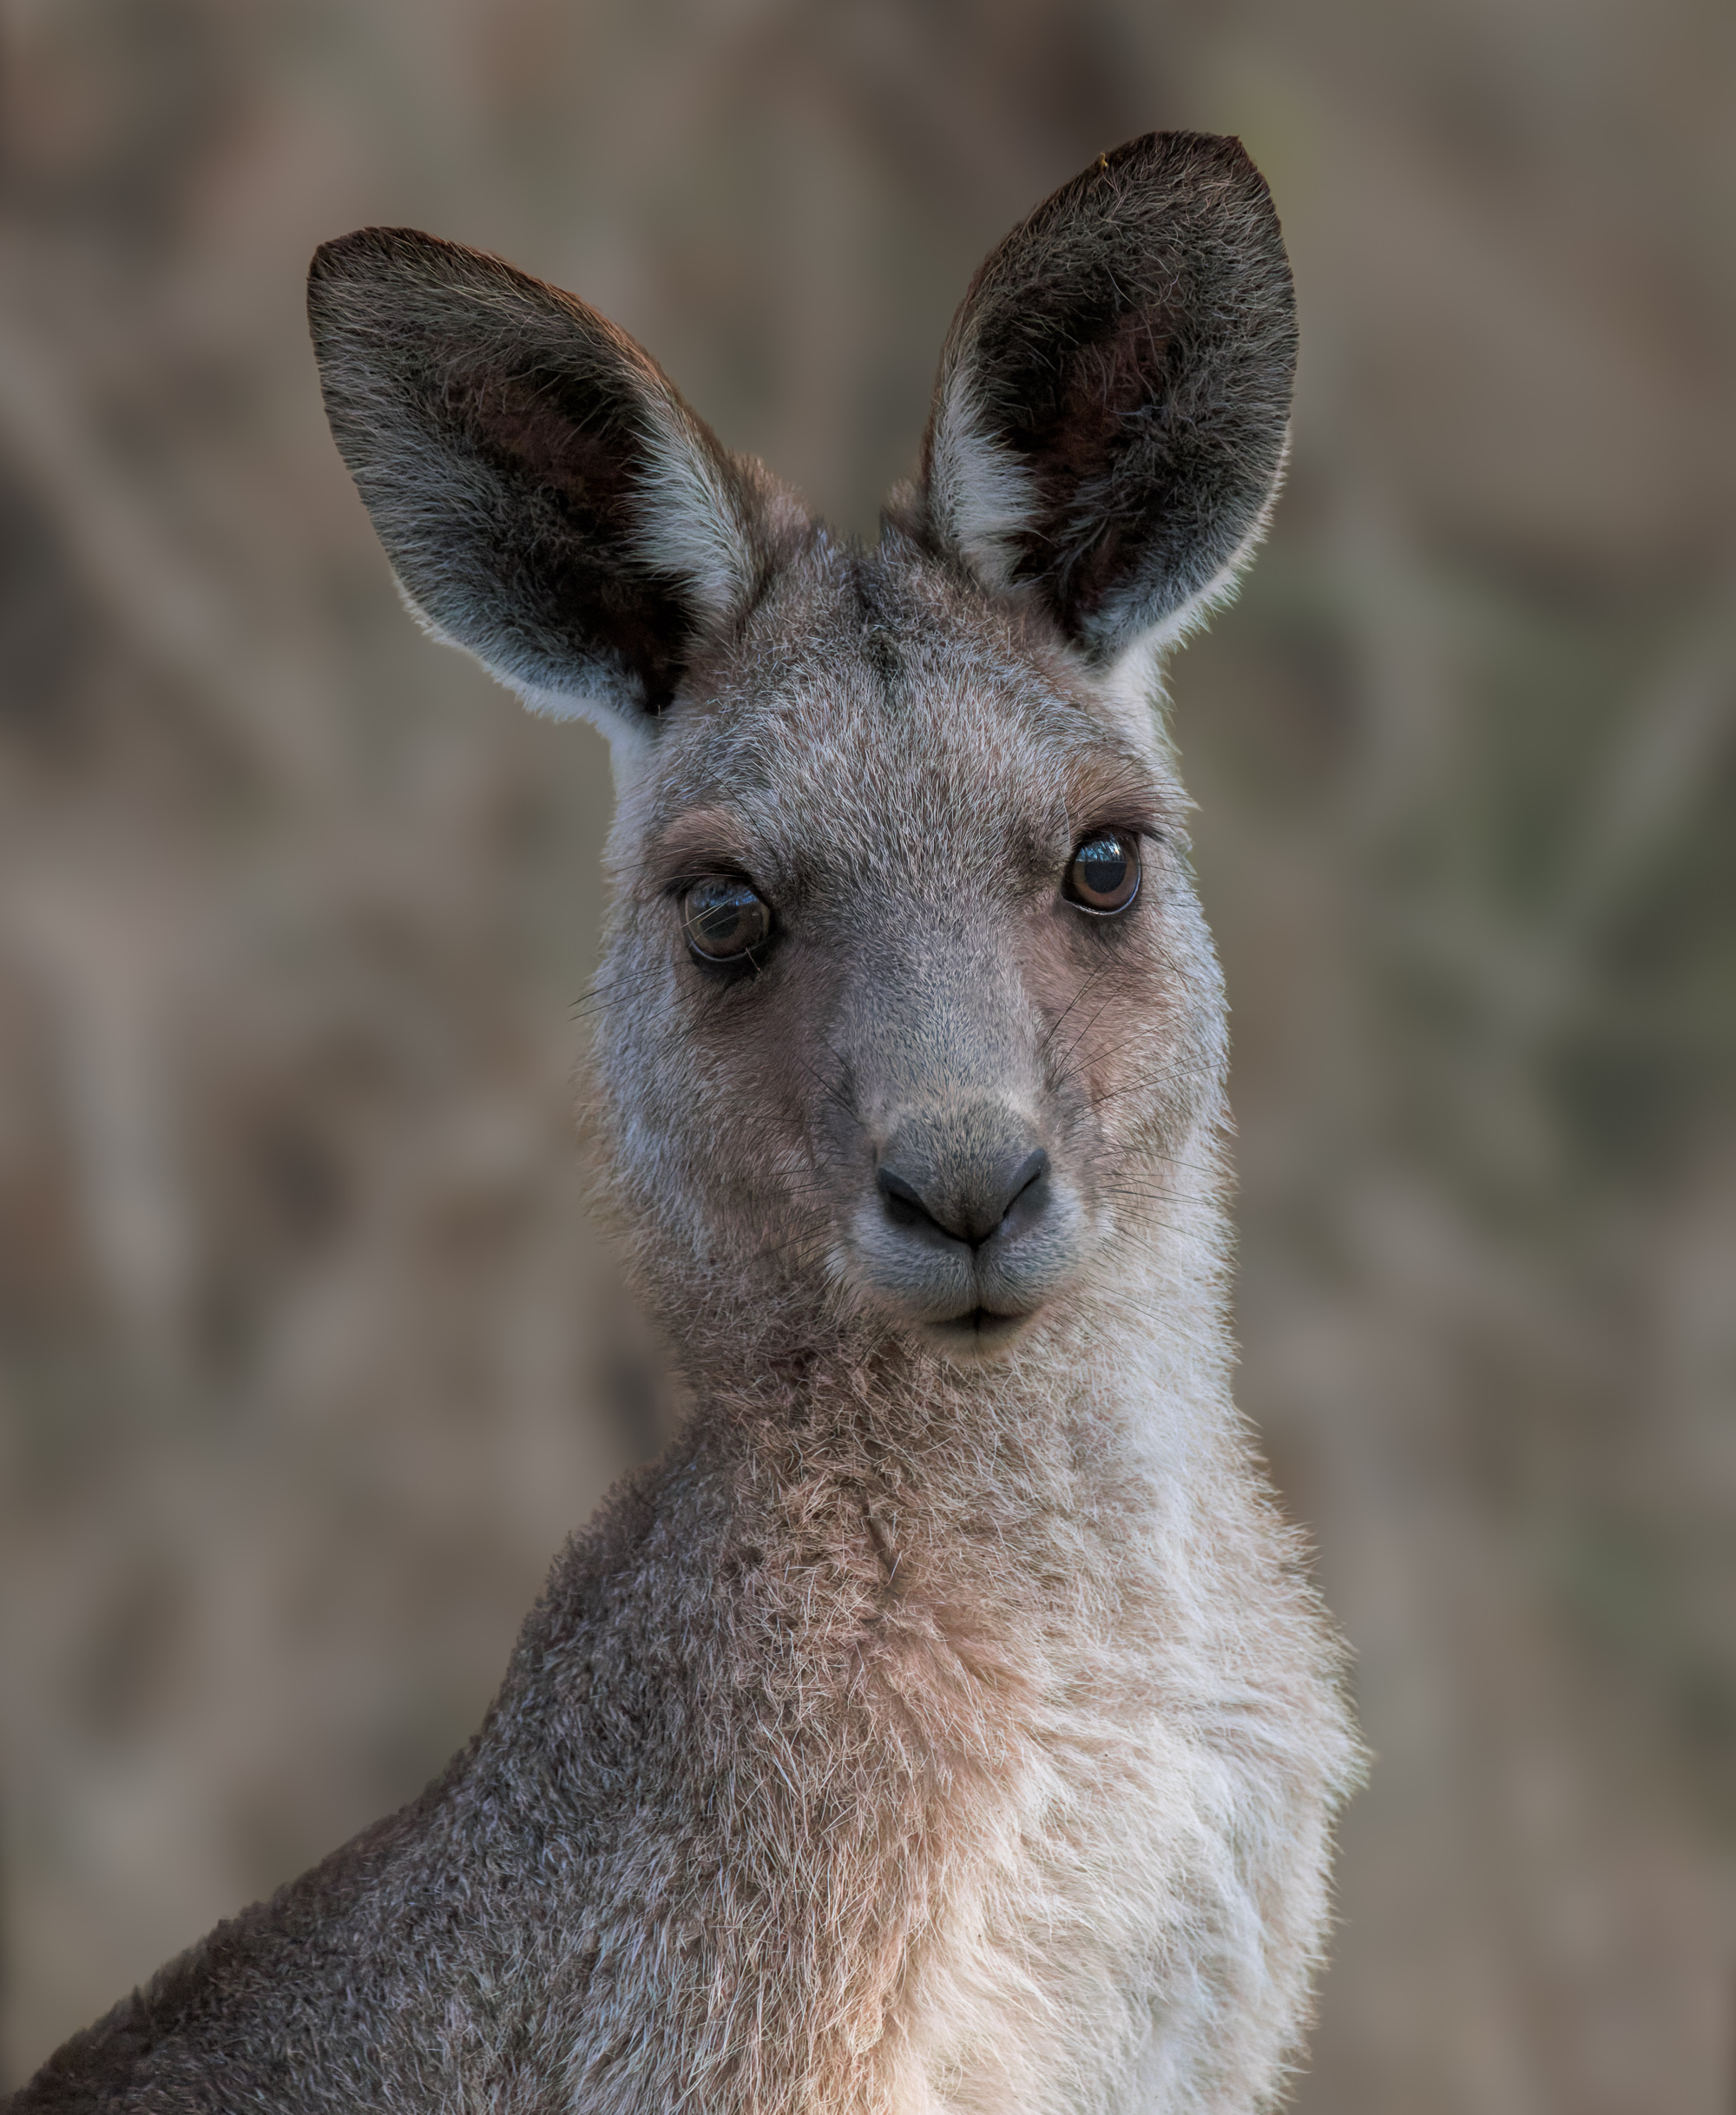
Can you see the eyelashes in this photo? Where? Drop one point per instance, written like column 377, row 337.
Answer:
column 1102, row 878
column 726, row 919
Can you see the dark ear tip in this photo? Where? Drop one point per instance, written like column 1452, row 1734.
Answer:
column 348, row 261
column 1169, row 154
column 347, row 270
column 1225, row 147
column 342, row 254
column 367, row 251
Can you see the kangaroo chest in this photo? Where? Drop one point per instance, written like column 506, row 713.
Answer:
column 1089, row 1895
column 966, row 1819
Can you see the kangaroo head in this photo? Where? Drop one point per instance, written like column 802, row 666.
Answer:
column 910, row 1021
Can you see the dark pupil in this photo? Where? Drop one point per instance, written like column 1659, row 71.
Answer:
column 1103, row 866
column 724, row 918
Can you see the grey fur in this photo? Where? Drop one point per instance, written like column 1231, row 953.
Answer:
column 944, row 1721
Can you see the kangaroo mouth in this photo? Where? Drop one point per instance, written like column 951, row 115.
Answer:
column 980, row 1328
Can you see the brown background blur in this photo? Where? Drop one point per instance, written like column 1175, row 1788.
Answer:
column 308, row 1355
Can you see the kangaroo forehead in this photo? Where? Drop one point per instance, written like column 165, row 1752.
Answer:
column 895, row 736
column 947, row 783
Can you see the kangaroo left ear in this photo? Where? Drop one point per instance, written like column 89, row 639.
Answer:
column 547, row 500
column 1109, row 421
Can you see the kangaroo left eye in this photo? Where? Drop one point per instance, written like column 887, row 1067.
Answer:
column 725, row 921
column 1104, row 877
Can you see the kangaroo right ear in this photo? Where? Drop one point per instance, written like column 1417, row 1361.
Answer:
column 545, row 497
column 1109, row 420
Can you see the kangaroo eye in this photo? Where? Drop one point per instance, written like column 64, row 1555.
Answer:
column 1104, row 877
column 724, row 920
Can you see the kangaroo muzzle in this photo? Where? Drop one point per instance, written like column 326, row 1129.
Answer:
column 967, row 1226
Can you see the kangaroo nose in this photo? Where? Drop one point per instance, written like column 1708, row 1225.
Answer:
column 965, row 1204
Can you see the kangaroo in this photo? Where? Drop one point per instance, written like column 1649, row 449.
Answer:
column 944, row 1721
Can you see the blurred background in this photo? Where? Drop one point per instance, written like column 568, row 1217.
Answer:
column 309, row 1355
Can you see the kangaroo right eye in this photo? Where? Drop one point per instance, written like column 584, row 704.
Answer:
column 1104, row 877
column 724, row 920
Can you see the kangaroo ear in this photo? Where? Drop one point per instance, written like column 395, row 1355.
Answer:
column 1109, row 420
column 545, row 497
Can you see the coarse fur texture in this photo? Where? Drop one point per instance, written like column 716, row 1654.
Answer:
column 945, row 1722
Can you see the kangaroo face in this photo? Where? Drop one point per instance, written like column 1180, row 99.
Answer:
column 953, row 998
column 907, row 1009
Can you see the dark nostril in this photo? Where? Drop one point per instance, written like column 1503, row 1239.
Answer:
column 904, row 1205
column 968, row 1212
column 1026, row 1176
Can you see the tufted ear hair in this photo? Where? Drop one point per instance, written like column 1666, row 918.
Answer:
column 1109, row 420
column 545, row 497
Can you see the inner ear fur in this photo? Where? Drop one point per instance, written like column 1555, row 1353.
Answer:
column 1109, row 420
column 545, row 497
